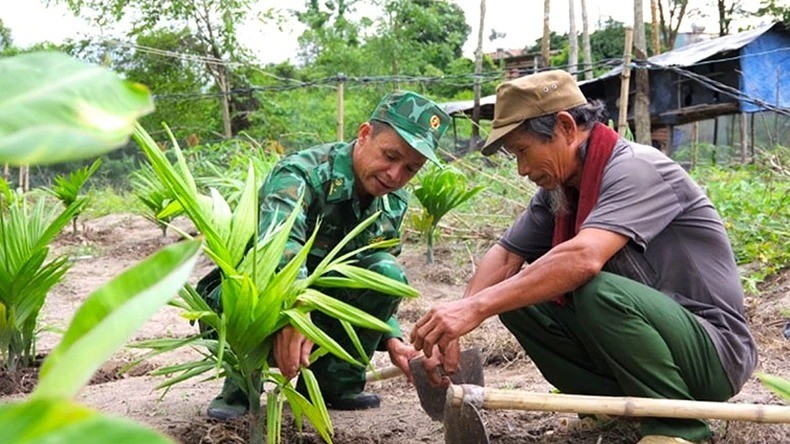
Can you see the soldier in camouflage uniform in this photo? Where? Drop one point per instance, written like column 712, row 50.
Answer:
column 343, row 184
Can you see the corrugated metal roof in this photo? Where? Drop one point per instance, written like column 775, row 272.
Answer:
column 696, row 52
column 463, row 105
column 685, row 56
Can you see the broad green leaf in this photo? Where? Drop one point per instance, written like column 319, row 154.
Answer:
column 220, row 210
column 43, row 421
column 314, row 391
column 355, row 341
column 778, row 385
column 55, row 108
column 374, row 281
column 183, row 188
column 342, row 311
column 311, row 411
column 243, row 224
column 111, row 315
column 321, row 267
column 318, row 336
column 262, row 260
column 274, row 417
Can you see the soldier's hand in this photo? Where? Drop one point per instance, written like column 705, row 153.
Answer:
column 291, row 349
column 400, row 355
column 440, row 366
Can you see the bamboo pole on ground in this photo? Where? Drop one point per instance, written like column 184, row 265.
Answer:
column 501, row 399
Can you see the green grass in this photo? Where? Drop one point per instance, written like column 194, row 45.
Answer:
column 754, row 203
column 104, row 201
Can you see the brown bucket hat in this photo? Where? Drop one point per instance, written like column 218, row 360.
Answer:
column 528, row 97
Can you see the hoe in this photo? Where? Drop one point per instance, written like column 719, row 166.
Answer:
column 463, row 424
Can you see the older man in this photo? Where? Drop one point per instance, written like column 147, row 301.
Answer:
column 619, row 278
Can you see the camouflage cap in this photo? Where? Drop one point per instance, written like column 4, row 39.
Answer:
column 419, row 121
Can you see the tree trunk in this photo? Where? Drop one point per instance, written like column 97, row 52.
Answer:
column 24, row 178
column 656, row 33
column 478, row 70
column 222, row 83
column 588, row 72
column 573, row 40
column 545, row 41
column 340, row 80
column 625, row 76
column 725, row 15
column 641, row 83
column 218, row 70
column 744, row 138
column 670, row 25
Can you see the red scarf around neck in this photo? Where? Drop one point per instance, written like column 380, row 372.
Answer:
column 581, row 201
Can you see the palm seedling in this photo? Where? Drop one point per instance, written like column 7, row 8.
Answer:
column 55, row 108
column 439, row 191
column 67, row 188
column 230, row 182
column 102, row 324
column 155, row 196
column 26, row 272
column 258, row 299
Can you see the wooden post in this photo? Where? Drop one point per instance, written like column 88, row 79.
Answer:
column 694, row 143
column 744, row 154
column 478, row 70
column 751, row 129
column 640, row 109
column 24, row 178
column 625, row 77
column 731, row 134
column 340, row 80
column 654, row 28
column 545, row 42
column 6, row 171
column 222, row 83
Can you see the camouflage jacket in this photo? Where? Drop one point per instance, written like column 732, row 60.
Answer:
column 324, row 176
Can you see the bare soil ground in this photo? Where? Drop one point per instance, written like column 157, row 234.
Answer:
column 106, row 246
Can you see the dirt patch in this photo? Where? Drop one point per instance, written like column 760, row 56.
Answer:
column 109, row 245
column 24, row 380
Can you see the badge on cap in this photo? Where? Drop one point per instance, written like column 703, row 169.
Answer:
column 435, row 121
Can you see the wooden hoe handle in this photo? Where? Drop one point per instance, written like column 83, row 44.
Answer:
column 497, row 399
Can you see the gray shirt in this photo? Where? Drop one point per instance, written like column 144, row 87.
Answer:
column 678, row 245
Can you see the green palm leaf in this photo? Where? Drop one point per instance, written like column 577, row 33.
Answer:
column 55, row 108
column 61, row 421
column 110, row 315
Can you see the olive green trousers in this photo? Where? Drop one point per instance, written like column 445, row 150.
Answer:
column 617, row 337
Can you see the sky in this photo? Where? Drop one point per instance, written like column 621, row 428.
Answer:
column 31, row 22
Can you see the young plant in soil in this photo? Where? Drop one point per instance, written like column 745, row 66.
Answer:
column 26, row 272
column 439, row 191
column 155, row 196
column 102, row 324
column 67, row 187
column 55, row 108
column 258, row 299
